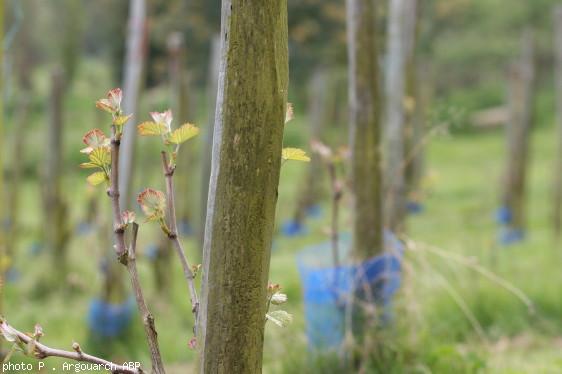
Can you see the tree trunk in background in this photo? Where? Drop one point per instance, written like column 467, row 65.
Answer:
column 395, row 192
column 557, row 206
column 413, row 131
column 16, row 171
column 247, row 142
column 424, row 96
column 71, row 37
column 134, row 65
column 55, row 224
column 521, row 96
column 365, row 109
column 339, row 98
column 212, row 84
column 317, row 117
column 23, row 62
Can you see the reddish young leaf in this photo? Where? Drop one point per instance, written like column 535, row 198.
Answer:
column 152, row 203
column 93, row 139
column 112, row 104
column 164, row 118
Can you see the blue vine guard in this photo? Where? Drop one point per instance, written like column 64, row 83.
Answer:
column 327, row 288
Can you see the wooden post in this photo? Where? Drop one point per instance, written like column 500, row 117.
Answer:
column 521, row 96
column 317, row 118
column 413, row 100
column 134, row 65
column 557, row 187
column 24, row 62
column 70, row 37
column 365, row 109
column 212, row 84
column 415, row 158
column 395, row 194
column 55, row 225
column 16, row 171
column 247, row 142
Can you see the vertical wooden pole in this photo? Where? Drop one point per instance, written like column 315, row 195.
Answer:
column 521, row 97
column 423, row 98
column 365, row 108
column 55, row 224
column 134, row 65
column 557, row 187
column 247, row 142
column 16, row 171
column 23, row 61
column 212, row 84
column 317, row 118
column 70, row 37
column 413, row 101
column 395, row 195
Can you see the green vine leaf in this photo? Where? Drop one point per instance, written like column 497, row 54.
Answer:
column 121, row 120
column 100, row 157
column 279, row 317
column 183, row 133
column 88, row 165
column 295, row 154
column 152, row 129
column 97, row 178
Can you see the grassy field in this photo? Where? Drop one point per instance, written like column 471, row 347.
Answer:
column 451, row 315
column 467, row 276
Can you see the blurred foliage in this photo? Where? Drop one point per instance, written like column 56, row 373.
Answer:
column 455, row 36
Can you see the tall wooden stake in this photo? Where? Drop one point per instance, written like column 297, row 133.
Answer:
column 521, row 96
column 16, row 171
column 134, row 65
column 365, row 108
column 317, row 118
column 395, row 197
column 212, row 84
column 24, row 63
column 557, row 187
column 247, row 144
column 413, row 102
column 55, row 224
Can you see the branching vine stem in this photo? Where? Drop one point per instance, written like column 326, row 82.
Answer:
column 147, row 318
column 41, row 351
column 128, row 257
column 172, row 233
column 113, row 193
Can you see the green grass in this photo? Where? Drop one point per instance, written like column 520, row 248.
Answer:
column 430, row 333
